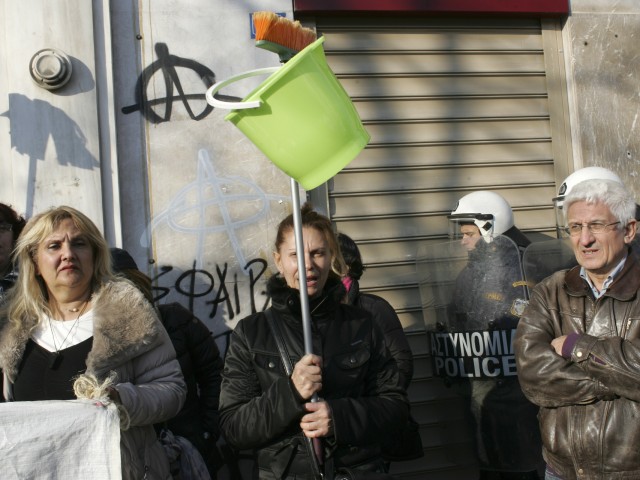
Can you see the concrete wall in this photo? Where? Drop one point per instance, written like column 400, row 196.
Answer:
column 132, row 134
column 200, row 202
column 131, row 141
column 603, row 64
column 50, row 140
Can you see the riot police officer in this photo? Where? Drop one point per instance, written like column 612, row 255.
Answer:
column 489, row 297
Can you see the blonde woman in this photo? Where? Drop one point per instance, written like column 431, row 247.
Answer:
column 68, row 315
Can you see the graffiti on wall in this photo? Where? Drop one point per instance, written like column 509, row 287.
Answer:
column 189, row 217
column 215, row 293
column 209, row 211
column 210, row 235
column 215, row 290
column 170, row 66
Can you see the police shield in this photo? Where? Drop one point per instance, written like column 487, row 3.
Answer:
column 542, row 259
column 472, row 300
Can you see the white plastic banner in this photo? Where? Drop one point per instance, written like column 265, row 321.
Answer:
column 59, row 439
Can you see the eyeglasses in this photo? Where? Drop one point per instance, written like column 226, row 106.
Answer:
column 575, row 229
column 5, row 227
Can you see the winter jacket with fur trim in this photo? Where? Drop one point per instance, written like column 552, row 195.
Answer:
column 260, row 408
column 129, row 340
column 590, row 402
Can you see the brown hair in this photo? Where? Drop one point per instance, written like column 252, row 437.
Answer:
column 351, row 254
column 313, row 219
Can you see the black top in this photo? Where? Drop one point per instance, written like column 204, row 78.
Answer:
column 45, row 375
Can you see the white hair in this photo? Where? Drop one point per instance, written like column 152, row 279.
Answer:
column 612, row 194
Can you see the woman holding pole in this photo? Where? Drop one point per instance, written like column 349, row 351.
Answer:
column 270, row 380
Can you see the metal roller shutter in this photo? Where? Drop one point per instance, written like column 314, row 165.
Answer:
column 453, row 105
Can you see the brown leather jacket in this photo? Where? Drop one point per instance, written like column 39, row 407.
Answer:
column 590, row 403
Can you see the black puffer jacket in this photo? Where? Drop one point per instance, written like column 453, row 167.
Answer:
column 387, row 318
column 260, row 408
column 201, row 364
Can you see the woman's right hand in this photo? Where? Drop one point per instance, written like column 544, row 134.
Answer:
column 307, row 376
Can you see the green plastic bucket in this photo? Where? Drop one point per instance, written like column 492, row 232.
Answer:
column 300, row 117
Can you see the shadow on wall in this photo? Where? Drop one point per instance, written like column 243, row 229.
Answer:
column 35, row 123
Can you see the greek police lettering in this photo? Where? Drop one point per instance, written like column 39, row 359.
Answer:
column 473, row 354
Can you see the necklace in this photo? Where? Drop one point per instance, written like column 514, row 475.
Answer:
column 77, row 309
column 57, row 356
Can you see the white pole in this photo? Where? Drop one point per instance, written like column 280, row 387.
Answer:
column 302, row 270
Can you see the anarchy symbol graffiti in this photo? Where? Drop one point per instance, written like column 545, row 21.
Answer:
column 168, row 66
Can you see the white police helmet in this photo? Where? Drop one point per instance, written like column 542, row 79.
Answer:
column 488, row 211
column 580, row 175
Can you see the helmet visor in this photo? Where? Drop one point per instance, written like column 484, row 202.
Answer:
column 558, row 202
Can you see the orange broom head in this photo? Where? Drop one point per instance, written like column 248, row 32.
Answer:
column 281, row 35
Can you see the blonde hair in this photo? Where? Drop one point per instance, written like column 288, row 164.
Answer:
column 28, row 299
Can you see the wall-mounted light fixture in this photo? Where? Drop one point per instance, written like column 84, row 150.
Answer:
column 50, row 68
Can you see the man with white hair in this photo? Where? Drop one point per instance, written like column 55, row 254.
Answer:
column 578, row 343
column 580, row 175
